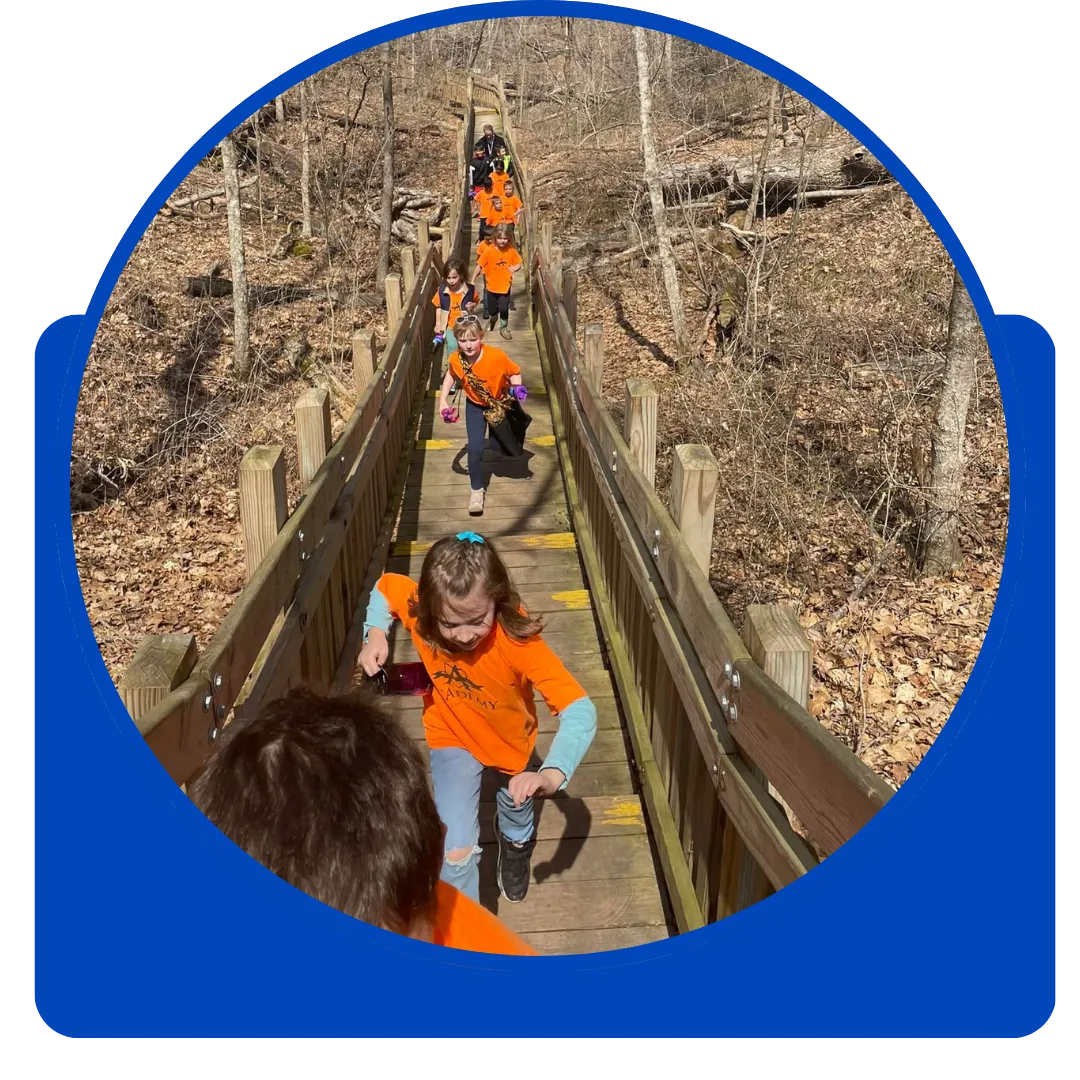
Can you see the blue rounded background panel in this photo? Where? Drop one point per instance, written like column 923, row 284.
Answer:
column 936, row 919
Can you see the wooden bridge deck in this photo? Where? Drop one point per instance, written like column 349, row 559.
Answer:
column 596, row 881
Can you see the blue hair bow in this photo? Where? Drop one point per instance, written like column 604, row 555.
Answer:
column 473, row 538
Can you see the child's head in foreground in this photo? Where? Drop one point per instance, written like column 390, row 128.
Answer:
column 332, row 796
column 464, row 590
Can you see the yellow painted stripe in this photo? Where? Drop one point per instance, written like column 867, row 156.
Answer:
column 624, row 813
column 450, row 444
column 574, row 599
column 549, row 541
column 546, row 541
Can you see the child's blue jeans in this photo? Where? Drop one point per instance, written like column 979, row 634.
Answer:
column 456, row 775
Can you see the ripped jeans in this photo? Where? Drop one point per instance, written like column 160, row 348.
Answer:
column 456, row 775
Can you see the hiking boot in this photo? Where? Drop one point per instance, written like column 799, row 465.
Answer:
column 505, row 331
column 514, row 866
column 492, row 322
column 476, row 502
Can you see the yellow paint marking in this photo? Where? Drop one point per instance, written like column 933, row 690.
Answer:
column 451, row 444
column 549, row 541
column 574, row 599
column 411, row 547
column 624, row 813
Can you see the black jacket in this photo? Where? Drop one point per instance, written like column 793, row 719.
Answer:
column 489, row 150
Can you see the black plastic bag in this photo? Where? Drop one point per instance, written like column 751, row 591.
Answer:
column 510, row 433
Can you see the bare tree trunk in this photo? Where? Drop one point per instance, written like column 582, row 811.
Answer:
column 279, row 109
column 305, row 159
column 656, row 195
column 386, row 219
column 476, row 48
column 759, row 172
column 241, row 355
column 567, row 112
column 941, row 545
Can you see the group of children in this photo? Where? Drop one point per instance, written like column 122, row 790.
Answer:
column 487, row 375
column 330, row 793
column 332, row 796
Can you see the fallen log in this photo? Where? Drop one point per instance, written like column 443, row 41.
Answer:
column 817, row 196
column 216, row 287
column 203, row 196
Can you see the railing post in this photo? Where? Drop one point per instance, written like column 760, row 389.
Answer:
column 312, row 432
column 569, row 296
column 408, row 268
column 263, row 508
column 423, row 238
column 364, row 361
column 160, row 664
column 545, row 240
column 556, row 269
column 446, row 238
column 780, row 647
column 694, row 472
column 639, row 424
column 594, row 353
column 392, row 286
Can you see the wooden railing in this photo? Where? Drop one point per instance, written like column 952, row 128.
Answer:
column 297, row 619
column 727, row 757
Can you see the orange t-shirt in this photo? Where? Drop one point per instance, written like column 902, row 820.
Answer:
column 511, row 204
column 482, row 700
column 498, row 182
column 492, row 367
column 498, row 267
column 456, row 300
column 461, row 923
column 483, row 202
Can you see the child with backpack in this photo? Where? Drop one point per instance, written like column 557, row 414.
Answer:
column 454, row 296
column 490, row 379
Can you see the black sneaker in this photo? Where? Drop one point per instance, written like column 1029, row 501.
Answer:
column 514, row 866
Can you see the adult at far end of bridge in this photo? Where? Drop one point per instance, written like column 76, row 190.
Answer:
column 486, row 151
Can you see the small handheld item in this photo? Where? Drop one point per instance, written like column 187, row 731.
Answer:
column 438, row 339
column 403, row 679
column 450, row 416
column 519, row 392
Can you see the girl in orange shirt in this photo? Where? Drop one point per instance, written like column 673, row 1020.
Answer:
column 498, row 262
column 484, row 656
column 453, row 298
column 488, row 376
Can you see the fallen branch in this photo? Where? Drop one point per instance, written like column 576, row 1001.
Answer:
column 203, row 196
column 820, row 196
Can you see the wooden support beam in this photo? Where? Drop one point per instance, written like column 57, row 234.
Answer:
column 423, row 238
column 393, row 302
column 694, row 473
column 263, row 508
column 594, row 353
column 569, row 296
column 639, row 424
column 408, row 268
column 545, row 240
column 364, row 361
column 312, row 432
column 159, row 666
column 557, row 269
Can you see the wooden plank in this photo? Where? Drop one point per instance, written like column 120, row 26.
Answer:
column 574, row 819
column 557, row 541
column 418, row 499
column 447, row 522
column 607, row 939
column 392, row 288
column 594, row 354
column 828, row 788
column 408, row 268
column 580, row 905
column 364, row 362
column 593, row 858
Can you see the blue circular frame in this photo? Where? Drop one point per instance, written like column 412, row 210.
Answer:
column 136, row 831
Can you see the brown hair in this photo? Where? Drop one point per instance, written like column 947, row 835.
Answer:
column 452, row 569
column 504, row 228
column 459, row 266
column 332, row 796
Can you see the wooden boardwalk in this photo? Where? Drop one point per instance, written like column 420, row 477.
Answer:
column 596, row 883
